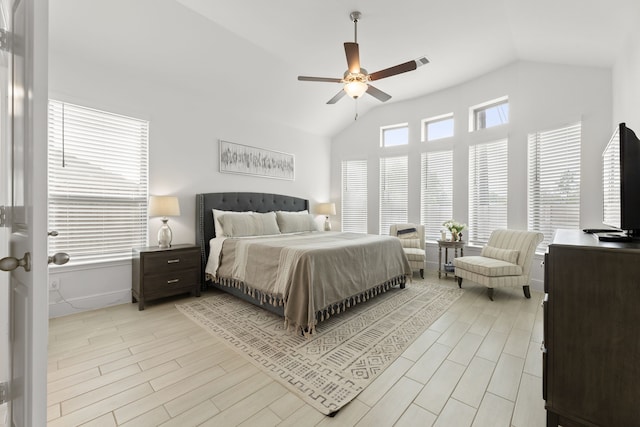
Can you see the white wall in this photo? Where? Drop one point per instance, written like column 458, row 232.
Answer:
column 183, row 160
column 541, row 96
column 626, row 83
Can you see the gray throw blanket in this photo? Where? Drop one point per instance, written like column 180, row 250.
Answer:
column 313, row 274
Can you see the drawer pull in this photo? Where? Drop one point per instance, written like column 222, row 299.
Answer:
column 172, row 281
column 173, row 261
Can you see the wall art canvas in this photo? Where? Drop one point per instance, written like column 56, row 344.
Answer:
column 244, row 159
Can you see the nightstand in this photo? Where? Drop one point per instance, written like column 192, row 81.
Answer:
column 161, row 272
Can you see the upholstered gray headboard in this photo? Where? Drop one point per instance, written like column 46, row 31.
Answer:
column 238, row 202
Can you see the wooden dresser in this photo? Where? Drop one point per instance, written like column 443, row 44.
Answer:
column 591, row 348
column 164, row 272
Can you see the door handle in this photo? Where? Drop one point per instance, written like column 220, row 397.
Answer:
column 59, row 258
column 10, row 263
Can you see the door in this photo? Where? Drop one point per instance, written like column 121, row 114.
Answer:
column 24, row 138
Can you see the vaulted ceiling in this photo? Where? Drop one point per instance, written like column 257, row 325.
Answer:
column 247, row 54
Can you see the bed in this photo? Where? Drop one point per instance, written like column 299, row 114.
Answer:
column 324, row 273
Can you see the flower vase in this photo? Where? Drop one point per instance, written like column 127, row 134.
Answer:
column 454, row 236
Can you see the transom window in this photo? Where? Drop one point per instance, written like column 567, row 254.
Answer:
column 391, row 136
column 438, row 127
column 489, row 114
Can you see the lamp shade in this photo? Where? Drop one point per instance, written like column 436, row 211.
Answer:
column 164, row 206
column 326, row 209
column 355, row 89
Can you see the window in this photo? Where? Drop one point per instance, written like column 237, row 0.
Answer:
column 436, row 191
column 487, row 190
column 97, row 182
column 393, row 192
column 554, row 181
column 354, row 196
column 391, row 136
column 437, row 127
column 489, row 114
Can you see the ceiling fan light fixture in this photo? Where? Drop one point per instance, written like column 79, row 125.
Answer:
column 355, row 89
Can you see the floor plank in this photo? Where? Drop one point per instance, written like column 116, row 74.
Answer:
column 478, row 364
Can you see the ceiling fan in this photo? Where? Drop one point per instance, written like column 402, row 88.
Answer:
column 356, row 80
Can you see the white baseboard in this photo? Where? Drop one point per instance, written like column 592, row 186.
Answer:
column 58, row 306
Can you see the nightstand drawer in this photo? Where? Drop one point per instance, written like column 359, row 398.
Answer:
column 160, row 283
column 162, row 262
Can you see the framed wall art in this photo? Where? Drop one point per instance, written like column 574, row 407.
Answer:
column 247, row 160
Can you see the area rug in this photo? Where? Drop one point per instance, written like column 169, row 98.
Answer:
column 347, row 352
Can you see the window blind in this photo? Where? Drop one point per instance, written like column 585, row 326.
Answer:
column 98, row 190
column 436, row 202
column 487, row 190
column 554, row 181
column 354, row 196
column 611, row 179
column 393, row 192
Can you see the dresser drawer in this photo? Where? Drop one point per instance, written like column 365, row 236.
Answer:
column 162, row 262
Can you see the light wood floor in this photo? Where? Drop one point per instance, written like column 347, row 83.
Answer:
column 478, row 365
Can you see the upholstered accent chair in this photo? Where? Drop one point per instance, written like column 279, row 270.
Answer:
column 412, row 239
column 504, row 261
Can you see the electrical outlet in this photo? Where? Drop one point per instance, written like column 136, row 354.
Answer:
column 54, row 284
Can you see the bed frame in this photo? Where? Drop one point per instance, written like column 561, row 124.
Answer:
column 238, row 202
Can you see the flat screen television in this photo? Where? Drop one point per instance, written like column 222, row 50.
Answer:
column 621, row 184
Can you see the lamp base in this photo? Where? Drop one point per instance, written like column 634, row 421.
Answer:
column 327, row 224
column 164, row 235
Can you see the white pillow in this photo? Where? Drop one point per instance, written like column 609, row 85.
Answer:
column 255, row 224
column 295, row 222
column 216, row 222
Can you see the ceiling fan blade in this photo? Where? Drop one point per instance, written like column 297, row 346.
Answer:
column 336, row 98
column 392, row 71
column 319, row 79
column 353, row 56
column 378, row 94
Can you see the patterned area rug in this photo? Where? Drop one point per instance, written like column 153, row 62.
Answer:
column 348, row 350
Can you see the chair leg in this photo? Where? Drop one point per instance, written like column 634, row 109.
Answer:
column 527, row 292
column 422, row 273
column 460, row 282
column 490, row 293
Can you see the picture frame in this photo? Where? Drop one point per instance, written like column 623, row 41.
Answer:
column 248, row 160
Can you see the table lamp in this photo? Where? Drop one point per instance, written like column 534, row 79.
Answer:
column 164, row 206
column 326, row 209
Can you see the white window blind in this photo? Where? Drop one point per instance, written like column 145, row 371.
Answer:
column 393, row 192
column 554, row 181
column 436, row 204
column 487, row 190
column 611, row 179
column 354, row 196
column 98, row 168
